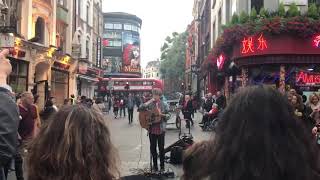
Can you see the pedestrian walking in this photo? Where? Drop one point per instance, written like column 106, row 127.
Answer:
column 116, row 105
column 9, row 117
column 187, row 110
column 130, row 105
column 122, row 107
column 70, row 149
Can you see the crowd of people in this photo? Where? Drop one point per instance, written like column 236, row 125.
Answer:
column 262, row 135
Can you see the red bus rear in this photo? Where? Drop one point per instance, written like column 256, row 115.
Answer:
column 107, row 85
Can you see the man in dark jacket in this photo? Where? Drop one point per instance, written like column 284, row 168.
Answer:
column 221, row 100
column 9, row 116
column 208, row 103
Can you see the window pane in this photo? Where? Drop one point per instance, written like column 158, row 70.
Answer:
column 112, row 35
column 23, row 69
column 117, row 26
column 127, row 27
column 135, row 28
column 108, row 26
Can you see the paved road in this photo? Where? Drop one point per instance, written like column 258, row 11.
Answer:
column 133, row 144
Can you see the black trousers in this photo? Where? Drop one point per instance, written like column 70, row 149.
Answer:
column 123, row 109
column 187, row 115
column 2, row 175
column 154, row 140
column 130, row 114
column 18, row 163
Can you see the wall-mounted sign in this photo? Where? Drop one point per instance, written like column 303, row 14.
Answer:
column 316, row 41
column 220, row 61
column 307, row 79
column 297, row 2
column 98, row 60
column 250, row 44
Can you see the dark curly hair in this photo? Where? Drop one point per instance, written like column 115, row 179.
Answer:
column 74, row 145
column 258, row 138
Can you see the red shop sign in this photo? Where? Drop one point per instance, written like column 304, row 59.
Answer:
column 251, row 45
column 307, row 79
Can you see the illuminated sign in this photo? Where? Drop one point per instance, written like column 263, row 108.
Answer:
column 307, row 79
column 316, row 41
column 130, row 69
column 220, row 61
column 248, row 44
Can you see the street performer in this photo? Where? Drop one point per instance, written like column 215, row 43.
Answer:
column 157, row 126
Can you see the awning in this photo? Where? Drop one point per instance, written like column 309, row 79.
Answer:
column 88, row 78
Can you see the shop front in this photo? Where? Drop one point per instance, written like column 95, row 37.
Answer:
column 87, row 80
column 59, row 82
column 282, row 61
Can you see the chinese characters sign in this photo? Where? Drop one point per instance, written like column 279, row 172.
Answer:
column 251, row 45
column 316, row 41
column 307, row 79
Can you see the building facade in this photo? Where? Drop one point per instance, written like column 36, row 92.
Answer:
column 269, row 58
column 121, row 45
column 40, row 56
column 152, row 70
column 86, row 44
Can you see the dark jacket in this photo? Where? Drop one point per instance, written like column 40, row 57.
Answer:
column 221, row 102
column 208, row 104
column 9, row 120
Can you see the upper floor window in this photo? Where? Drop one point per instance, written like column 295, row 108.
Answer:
column 108, row 26
column 62, row 3
column 257, row 4
column 88, row 13
column 117, row 26
column 135, row 28
column 127, row 27
column 39, row 30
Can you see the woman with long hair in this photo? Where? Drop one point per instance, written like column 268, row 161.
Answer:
column 74, row 145
column 259, row 139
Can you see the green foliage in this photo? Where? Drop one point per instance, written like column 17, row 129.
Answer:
column 253, row 14
column 244, row 17
column 263, row 13
column 281, row 10
column 235, row 19
column 173, row 56
column 293, row 10
column 313, row 11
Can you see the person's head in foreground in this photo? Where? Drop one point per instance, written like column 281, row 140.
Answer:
column 195, row 161
column 259, row 139
column 75, row 145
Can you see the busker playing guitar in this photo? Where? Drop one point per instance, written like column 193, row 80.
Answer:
column 157, row 127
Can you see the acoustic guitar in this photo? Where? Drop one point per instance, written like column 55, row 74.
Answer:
column 148, row 117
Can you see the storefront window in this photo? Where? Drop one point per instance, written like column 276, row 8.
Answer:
column 18, row 78
column 59, row 85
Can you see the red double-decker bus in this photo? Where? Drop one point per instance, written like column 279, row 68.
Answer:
column 134, row 85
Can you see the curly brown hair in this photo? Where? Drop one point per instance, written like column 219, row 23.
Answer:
column 75, row 144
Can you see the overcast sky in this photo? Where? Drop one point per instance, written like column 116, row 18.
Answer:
column 159, row 19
